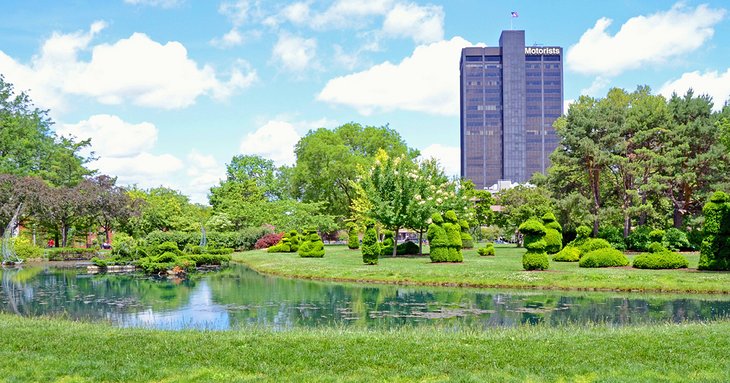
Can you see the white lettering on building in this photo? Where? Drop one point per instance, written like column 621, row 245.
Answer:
column 539, row 51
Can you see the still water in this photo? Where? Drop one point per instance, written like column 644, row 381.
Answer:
column 239, row 297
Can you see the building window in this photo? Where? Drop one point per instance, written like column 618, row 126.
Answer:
column 473, row 58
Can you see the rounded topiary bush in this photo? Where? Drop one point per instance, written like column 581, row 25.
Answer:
column 353, row 242
column 467, row 241
column 294, row 241
column 568, row 254
column 453, row 231
column 438, row 239
column 535, row 258
column 370, row 246
column 553, row 233
column 656, row 235
column 407, row 248
column 605, row 257
column 593, row 244
column 660, row 260
column 656, row 247
column 312, row 246
column 487, row 250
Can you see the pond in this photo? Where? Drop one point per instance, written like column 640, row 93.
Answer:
column 239, row 297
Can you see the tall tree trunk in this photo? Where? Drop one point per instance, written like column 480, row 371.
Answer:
column 107, row 234
column 594, row 178
column 642, row 216
column 395, row 242
column 64, row 233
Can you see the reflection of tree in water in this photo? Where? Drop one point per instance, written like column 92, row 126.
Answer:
column 37, row 291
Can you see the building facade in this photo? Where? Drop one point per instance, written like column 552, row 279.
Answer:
column 510, row 97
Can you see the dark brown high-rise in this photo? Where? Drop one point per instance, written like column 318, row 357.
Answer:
column 510, row 97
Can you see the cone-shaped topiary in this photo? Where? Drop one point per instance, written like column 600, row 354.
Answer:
column 438, row 239
column 387, row 245
column 553, row 233
column 453, row 231
column 467, row 241
column 534, row 233
column 715, row 248
column 312, row 245
column 370, row 245
column 487, row 250
column 353, row 242
column 294, row 241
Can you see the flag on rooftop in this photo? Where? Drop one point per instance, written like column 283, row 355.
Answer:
column 515, row 14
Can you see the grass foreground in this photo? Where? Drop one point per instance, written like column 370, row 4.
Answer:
column 503, row 270
column 58, row 350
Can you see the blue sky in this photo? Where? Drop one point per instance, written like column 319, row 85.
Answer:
column 170, row 90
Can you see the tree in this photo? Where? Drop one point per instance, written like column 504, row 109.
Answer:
column 18, row 191
column 520, row 204
column 329, row 161
column 63, row 207
column 109, row 204
column 164, row 209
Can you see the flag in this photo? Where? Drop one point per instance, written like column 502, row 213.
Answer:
column 515, row 14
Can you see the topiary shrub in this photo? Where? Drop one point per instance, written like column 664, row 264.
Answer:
column 593, row 244
column 715, row 249
column 353, row 242
column 553, row 233
column 370, row 246
column 568, row 254
column 660, row 260
column 387, row 245
column 438, row 239
column 605, row 257
column 534, row 233
column 167, row 247
column 467, row 241
column 582, row 235
column 638, row 239
column 656, row 235
column 487, row 250
column 312, row 245
column 193, row 249
column 453, row 231
column 407, row 248
column 675, row 239
column 656, row 247
column 614, row 236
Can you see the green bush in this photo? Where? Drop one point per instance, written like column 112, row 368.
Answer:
column 353, row 242
column 593, row 244
column 219, row 251
column 715, row 249
column 660, row 260
column 25, row 250
column 70, row 253
column 638, row 239
column 553, row 233
column 534, row 233
column 283, row 246
column 312, row 245
column 535, row 261
column 168, row 247
column 487, row 250
column 467, row 241
column 675, row 239
column 370, row 246
column 656, row 247
column 453, row 231
column 568, row 254
column 444, row 236
column 605, row 257
column 614, row 236
column 656, row 235
column 386, row 247
column 407, row 248
column 193, row 249
column 210, row 259
column 123, row 245
column 244, row 239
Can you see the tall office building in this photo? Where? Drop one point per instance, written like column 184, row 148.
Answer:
column 510, row 97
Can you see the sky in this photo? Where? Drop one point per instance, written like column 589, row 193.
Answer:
column 170, row 90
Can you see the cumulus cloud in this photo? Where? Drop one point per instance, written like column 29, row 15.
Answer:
column 449, row 157
column 274, row 140
column 424, row 24
column 713, row 83
column 597, row 86
column 136, row 69
column 643, row 40
column 295, row 53
column 426, row 81
column 203, row 171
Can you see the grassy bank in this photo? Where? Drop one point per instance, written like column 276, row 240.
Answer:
column 56, row 350
column 503, row 270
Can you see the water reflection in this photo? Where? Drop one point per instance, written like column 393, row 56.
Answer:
column 239, row 297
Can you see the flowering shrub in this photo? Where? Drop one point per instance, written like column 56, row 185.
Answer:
column 268, row 240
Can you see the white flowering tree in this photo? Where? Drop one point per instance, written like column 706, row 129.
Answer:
column 432, row 189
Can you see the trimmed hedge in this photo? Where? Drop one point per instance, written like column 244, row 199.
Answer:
column 444, row 236
column 553, row 233
column 370, row 246
column 593, row 244
column 467, row 241
column 353, row 242
column 70, row 254
column 605, row 257
column 240, row 240
column 661, row 260
column 312, row 245
column 487, row 250
column 534, row 233
column 407, row 248
column 568, row 254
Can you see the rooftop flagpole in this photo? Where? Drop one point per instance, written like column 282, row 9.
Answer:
column 512, row 17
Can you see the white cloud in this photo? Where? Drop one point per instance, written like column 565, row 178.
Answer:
column 597, row 86
column 274, row 140
column 426, row 81
column 136, row 69
column 424, row 24
column 237, row 11
column 203, row 171
column 566, row 106
column 643, row 40
column 713, row 83
column 295, row 53
column 449, row 157
column 156, row 3
column 111, row 136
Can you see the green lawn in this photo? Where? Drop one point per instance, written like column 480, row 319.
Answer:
column 47, row 350
column 502, row 270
